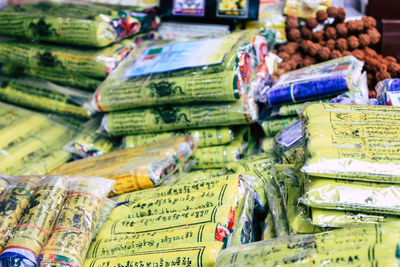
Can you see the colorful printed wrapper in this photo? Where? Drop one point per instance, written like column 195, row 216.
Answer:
column 215, row 156
column 72, row 233
column 271, row 127
column 135, row 168
column 88, row 143
column 92, row 25
column 321, row 80
column 106, row 209
column 388, row 92
column 167, row 118
column 207, row 137
column 45, row 96
column 134, row 84
column 34, row 228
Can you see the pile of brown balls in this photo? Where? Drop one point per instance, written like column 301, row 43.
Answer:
column 306, row 46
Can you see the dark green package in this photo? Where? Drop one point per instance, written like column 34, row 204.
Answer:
column 84, row 24
column 45, row 96
column 161, row 119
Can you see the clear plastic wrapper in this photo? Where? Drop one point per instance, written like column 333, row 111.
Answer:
column 215, row 156
column 321, row 80
column 135, row 168
column 272, row 127
column 305, row 9
column 328, row 248
column 73, row 229
column 88, row 143
column 268, row 228
column 106, row 209
column 352, row 142
column 161, row 119
column 344, row 218
column 379, row 198
column 84, row 24
column 154, row 75
column 388, row 92
column 268, row 145
column 45, row 96
column 207, row 137
column 96, row 63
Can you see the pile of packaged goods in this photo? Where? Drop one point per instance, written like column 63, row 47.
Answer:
column 196, row 152
column 49, row 220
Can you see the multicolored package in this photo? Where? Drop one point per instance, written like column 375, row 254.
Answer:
column 388, row 92
column 33, row 230
column 321, row 80
column 88, row 143
column 84, row 24
column 76, row 222
column 154, row 75
column 167, row 118
column 135, row 168
column 45, row 96
column 207, row 137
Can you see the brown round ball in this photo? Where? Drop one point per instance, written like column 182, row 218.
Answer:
column 313, row 49
column 374, row 35
column 330, row 33
column 353, row 42
column 292, row 22
column 358, row 54
column 359, row 25
column 364, row 40
column 324, row 53
column 372, row 93
column 341, row 29
column 369, row 22
column 391, row 59
column 370, row 52
column 332, row 12
column 341, row 44
column 294, row 35
column 382, row 68
column 307, row 61
column 311, row 23
column 322, row 43
column 306, row 33
column 351, row 26
column 297, row 56
column 394, row 69
column 371, row 64
column 293, row 64
column 284, row 56
column 341, row 14
column 336, row 54
column 321, row 16
column 380, row 76
column 347, row 53
column 318, row 36
column 291, row 48
column 331, row 44
column 304, row 44
column 285, row 66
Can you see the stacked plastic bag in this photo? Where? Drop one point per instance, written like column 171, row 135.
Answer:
column 188, row 222
column 49, row 220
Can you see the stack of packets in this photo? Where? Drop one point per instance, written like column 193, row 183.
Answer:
column 87, row 43
column 351, row 164
column 338, row 81
column 31, row 143
column 166, row 86
column 375, row 245
column 184, row 224
column 49, row 220
column 135, row 168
